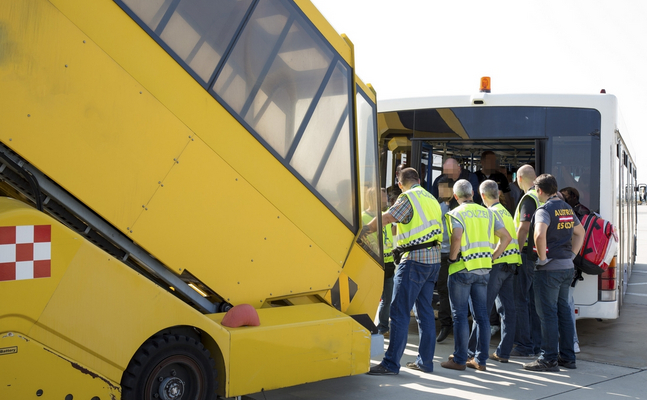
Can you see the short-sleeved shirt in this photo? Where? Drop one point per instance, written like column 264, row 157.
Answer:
column 500, row 179
column 402, row 211
column 527, row 209
column 498, row 224
column 543, row 216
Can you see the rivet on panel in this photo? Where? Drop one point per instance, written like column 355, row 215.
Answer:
column 65, row 65
column 84, row 41
column 141, row 93
column 39, row 392
column 28, row 115
column 146, row 209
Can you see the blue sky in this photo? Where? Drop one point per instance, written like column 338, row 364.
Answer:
column 413, row 48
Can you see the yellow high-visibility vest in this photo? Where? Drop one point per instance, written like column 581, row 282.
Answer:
column 477, row 239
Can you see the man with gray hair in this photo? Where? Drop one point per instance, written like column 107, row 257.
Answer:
column 500, row 286
column 472, row 230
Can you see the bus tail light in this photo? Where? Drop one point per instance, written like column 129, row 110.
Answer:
column 607, row 283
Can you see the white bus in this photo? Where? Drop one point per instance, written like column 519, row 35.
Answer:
column 576, row 138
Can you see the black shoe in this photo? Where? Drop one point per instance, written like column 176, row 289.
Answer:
column 380, row 370
column 566, row 364
column 541, row 365
column 516, row 353
column 444, row 331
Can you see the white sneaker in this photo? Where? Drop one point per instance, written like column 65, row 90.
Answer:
column 494, row 329
column 576, row 347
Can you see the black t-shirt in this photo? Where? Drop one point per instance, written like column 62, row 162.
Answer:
column 527, row 209
column 500, row 179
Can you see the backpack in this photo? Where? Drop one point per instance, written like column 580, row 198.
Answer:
column 599, row 247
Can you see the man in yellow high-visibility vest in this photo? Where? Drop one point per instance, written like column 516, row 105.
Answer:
column 527, row 338
column 500, row 288
column 418, row 238
column 473, row 228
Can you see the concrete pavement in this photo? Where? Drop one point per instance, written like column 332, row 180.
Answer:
column 612, row 363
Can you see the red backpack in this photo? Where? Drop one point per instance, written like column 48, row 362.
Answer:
column 599, row 247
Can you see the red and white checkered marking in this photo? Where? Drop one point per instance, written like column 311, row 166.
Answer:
column 25, row 252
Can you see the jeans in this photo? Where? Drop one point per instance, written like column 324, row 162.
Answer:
column 413, row 283
column 444, row 310
column 557, row 329
column 571, row 303
column 527, row 336
column 384, row 309
column 464, row 287
column 500, row 291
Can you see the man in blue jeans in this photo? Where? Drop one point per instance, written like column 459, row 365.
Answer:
column 418, row 238
column 472, row 230
column 558, row 236
column 527, row 337
column 500, row 289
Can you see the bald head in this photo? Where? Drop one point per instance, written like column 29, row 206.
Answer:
column 451, row 168
column 526, row 176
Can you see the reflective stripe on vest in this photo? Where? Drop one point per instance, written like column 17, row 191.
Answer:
column 511, row 254
column 532, row 193
column 477, row 239
column 424, row 226
column 387, row 235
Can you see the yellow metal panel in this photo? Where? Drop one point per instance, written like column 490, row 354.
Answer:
column 103, row 311
column 295, row 345
column 75, row 114
column 367, row 88
column 230, row 237
column 363, row 269
column 22, row 301
column 34, row 370
column 120, row 37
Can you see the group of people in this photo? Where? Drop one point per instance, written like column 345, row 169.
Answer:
column 460, row 238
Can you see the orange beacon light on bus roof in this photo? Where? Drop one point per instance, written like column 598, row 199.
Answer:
column 485, row 84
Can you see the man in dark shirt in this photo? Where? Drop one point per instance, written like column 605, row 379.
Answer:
column 527, row 338
column 572, row 197
column 490, row 171
column 453, row 170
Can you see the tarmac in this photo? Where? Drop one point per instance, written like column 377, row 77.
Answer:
column 612, row 363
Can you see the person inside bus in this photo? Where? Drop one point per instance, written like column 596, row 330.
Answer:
column 447, row 203
column 489, row 170
column 453, row 170
column 558, row 236
column 572, row 197
column 527, row 337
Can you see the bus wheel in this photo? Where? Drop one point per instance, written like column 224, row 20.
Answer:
column 170, row 367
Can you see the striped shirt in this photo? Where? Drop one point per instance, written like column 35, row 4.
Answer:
column 402, row 211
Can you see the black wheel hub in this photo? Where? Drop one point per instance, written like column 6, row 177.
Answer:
column 171, row 388
column 176, row 378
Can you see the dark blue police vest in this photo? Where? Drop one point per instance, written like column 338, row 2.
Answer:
column 560, row 230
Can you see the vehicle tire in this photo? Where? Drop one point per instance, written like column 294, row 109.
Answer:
column 170, row 367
